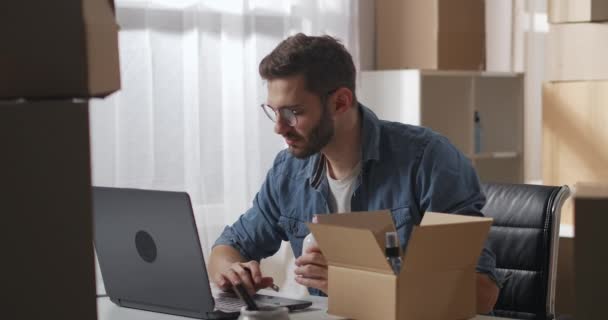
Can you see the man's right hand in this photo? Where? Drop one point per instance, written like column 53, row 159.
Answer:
column 247, row 273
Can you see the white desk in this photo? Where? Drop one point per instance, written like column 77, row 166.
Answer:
column 107, row 310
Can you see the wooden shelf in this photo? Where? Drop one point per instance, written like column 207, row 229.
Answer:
column 449, row 102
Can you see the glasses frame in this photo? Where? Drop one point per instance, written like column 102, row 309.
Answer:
column 284, row 113
column 287, row 113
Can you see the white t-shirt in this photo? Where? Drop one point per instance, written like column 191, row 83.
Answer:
column 341, row 191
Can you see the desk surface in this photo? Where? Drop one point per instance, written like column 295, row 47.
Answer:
column 107, row 310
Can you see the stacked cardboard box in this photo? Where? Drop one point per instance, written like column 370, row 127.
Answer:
column 575, row 97
column 590, row 256
column 58, row 50
column 575, row 112
column 430, row 34
column 51, row 53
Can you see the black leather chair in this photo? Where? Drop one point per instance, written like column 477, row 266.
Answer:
column 524, row 237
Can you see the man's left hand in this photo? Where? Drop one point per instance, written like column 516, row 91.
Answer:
column 311, row 269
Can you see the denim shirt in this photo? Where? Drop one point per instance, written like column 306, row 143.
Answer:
column 407, row 169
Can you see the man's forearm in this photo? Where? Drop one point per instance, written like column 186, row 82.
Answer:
column 222, row 257
column 487, row 293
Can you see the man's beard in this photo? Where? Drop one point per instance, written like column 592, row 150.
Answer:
column 318, row 138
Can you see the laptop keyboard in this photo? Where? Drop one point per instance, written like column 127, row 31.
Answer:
column 230, row 302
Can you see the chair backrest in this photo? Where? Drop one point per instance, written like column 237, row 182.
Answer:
column 524, row 237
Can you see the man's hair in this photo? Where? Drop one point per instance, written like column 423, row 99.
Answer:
column 323, row 61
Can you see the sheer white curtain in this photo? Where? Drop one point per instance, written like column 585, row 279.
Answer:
column 187, row 117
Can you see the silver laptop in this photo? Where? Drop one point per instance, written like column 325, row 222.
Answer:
column 150, row 256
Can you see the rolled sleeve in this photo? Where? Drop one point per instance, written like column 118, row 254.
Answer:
column 487, row 265
column 447, row 182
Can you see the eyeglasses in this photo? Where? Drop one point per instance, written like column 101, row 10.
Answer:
column 288, row 113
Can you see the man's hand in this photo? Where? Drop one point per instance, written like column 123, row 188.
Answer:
column 311, row 269
column 247, row 273
column 487, row 293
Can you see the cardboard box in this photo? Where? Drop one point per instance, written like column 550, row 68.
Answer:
column 437, row 278
column 565, row 297
column 590, row 254
column 430, row 34
column 562, row 11
column 45, row 182
column 577, row 51
column 56, row 49
column 575, row 135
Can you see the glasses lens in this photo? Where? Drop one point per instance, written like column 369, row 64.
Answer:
column 269, row 111
column 288, row 116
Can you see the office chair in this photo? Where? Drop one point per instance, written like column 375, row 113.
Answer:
column 525, row 236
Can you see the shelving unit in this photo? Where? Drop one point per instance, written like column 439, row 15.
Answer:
column 446, row 101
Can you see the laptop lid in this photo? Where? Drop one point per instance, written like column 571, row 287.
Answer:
column 149, row 251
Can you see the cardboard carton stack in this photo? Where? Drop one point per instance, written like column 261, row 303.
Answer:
column 575, row 98
column 590, row 256
column 51, row 53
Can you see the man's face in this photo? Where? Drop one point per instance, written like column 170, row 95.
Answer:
column 314, row 127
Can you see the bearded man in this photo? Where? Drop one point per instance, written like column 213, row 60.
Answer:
column 340, row 158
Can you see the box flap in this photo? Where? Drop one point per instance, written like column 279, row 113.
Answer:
column 446, row 241
column 434, row 218
column 354, row 240
column 375, row 221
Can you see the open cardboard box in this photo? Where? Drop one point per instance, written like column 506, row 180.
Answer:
column 437, row 278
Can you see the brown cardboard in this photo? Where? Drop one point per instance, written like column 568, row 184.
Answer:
column 59, row 49
column 430, row 34
column 562, row 11
column 577, row 51
column 437, row 279
column 45, row 182
column 564, row 291
column 575, row 135
column 590, row 254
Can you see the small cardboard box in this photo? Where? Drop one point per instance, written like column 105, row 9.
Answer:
column 437, row 278
column 590, row 254
column 430, row 34
column 58, row 49
column 563, row 11
column 577, row 52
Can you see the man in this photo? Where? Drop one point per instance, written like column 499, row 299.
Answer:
column 340, row 158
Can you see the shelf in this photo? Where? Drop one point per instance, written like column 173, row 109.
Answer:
column 468, row 107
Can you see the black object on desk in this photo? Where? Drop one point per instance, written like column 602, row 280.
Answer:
column 244, row 295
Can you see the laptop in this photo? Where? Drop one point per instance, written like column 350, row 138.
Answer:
column 150, row 256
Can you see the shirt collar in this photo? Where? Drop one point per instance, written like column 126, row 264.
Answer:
column 370, row 140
